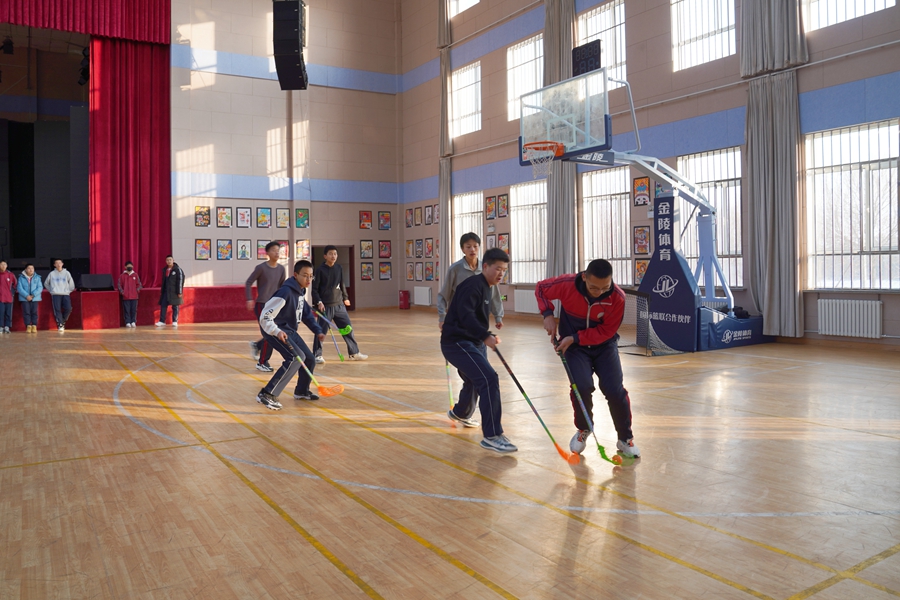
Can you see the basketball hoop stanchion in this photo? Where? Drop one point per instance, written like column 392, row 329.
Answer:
column 540, row 155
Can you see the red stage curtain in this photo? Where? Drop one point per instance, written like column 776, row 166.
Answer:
column 130, row 166
column 139, row 20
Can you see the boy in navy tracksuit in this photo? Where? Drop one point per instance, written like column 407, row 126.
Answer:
column 463, row 337
column 278, row 320
column 592, row 308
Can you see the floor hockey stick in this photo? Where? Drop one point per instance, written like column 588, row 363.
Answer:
column 571, row 458
column 331, row 331
column 449, row 384
column 341, row 330
column 325, row 392
column 616, row 459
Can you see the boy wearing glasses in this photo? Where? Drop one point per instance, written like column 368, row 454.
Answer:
column 279, row 320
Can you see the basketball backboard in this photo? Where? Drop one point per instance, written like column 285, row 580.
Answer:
column 574, row 112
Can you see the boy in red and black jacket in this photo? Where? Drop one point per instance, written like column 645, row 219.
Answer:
column 592, row 308
column 130, row 287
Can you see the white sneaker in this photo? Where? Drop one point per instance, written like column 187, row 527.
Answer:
column 175, row 324
column 628, row 449
column 320, row 360
column 498, row 443
column 470, row 422
column 359, row 356
column 134, row 324
column 160, row 324
column 265, row 368
column 579, row 441
column 62, row 328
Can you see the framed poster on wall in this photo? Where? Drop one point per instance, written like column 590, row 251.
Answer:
column 243, row 249
column 223, row 216
column 301, row 218
column 366, row 271
column 384, row 220
column 282, row 218
column 224, row 250
column 365, row 219
column 244, row 217
column 201, row 216
column 384, row 271
column 366, row 249
column 202, row 249
column 263, row 217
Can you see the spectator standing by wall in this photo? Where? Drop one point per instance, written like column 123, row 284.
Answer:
column 60, row 284
column 30, row 288
column 171, row 292
column 130, row 287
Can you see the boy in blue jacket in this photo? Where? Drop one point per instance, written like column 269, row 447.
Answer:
column 30, row 288
column 279, row 320
column 463, row 337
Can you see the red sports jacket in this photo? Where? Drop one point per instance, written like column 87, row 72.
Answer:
column 590, row 323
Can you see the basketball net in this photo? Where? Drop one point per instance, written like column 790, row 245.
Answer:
column 540, row 155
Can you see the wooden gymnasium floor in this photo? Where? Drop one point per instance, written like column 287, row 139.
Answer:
column 137, row 464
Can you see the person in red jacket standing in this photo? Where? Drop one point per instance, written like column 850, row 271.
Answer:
column 129, row 286
column 592, row 308
column 7, row 293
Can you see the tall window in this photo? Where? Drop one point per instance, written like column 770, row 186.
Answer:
column 606, row 23
column 852, row 210
column 606, row 227
column 457, row 6
column 822, row 13
column 524, row 72
column 528, row 232
column 702, row 31
column 465, row 100
column 468, row 215
column 718, row 174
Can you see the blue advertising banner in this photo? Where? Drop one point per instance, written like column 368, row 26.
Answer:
column 675, row 296
column 718, row 330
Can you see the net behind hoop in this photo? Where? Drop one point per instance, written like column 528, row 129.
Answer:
column 636, row 335
column 540, row 155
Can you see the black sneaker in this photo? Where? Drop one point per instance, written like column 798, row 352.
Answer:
column 305, row 396
column 268, row 400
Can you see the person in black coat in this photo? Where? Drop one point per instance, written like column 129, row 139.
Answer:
column 171, row 292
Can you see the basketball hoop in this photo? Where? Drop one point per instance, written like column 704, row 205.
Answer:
column 540, row 155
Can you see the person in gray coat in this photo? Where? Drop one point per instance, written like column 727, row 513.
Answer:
column 171, row 292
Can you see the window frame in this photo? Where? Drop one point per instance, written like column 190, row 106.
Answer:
column 530, row 218
column 468, row 92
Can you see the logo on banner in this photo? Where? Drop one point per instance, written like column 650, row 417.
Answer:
column 726, row 337
column 736, row 335
column 665, row 286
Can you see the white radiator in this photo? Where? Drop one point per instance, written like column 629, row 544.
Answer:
column 525, row 302
column 422, row 296
column 850, row 318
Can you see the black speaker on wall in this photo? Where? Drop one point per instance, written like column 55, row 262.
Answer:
column 289, row 37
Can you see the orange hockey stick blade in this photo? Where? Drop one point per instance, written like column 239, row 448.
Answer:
column 572, row 459
column 328, row 392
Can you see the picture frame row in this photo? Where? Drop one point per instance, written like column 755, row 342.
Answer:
column 367, row 271
column 384, row 220
column 427, row 271
column 496, row 207
column 226, row 249
column 225, row 217
column 427, row 215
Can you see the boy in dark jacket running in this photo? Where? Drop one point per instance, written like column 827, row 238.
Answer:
column 279, row 320
column 330, row 297
column 592, row 308
column 463, row 336
column 129, row 287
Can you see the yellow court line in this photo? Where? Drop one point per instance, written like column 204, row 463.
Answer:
column 125, row 453
column 850, row 574
column 737, row 536
column 622, row 495
column 334, row 560
column 443, row 554
column 566, row 513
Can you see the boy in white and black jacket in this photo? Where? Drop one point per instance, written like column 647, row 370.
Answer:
column 279, row 320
